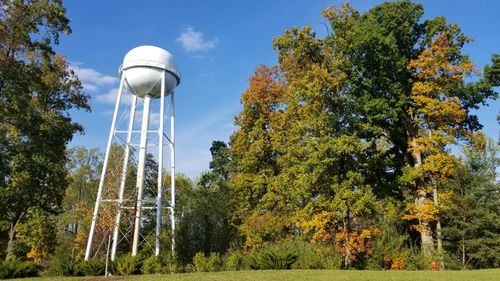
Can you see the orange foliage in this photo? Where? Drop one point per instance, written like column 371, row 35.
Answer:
column 358, row 242
column 324, row 228
column 397, row 262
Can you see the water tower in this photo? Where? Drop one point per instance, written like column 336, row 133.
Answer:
column 148, row 74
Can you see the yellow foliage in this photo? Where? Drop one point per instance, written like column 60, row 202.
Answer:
column 397, row 262
column 424, row 212
column 36, row 255
column 317, row 225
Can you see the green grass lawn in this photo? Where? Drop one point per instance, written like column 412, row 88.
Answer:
column 306, row 275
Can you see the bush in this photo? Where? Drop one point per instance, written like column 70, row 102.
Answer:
column 188, row 268
column 61, row 264
column 273, row 260
column 202, row 263
column 314, row 256
column 151, row 265
column 234, row 261
column 90, row 268
column 295, row 254
column 18, row 269
column 418, row 261
column 170, row 264
column 128, row 265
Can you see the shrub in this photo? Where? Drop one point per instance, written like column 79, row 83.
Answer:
column 90, row 268
column 61, row 264
column 188, row 268
column 314, row 256
column 128, row 265
column 203, row 263
column 151, row 265
column 170, row 264
column 18, row 269
column 234, row 261
column 418, row 261
column 333, row 261
column 273, row 260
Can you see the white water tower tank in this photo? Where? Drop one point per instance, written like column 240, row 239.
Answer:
column 143, row 66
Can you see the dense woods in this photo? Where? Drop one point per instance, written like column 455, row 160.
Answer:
column 356, row 150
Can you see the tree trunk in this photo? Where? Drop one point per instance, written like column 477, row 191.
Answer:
column 12, row 233
column 464, row 262
column 347, row 258
column 427, row 244
column 439, row 239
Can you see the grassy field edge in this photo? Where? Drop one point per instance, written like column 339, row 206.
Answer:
column 306, row 275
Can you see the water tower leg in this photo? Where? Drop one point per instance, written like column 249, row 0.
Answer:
column 172, row 169
column 123, row 176
column 160, row 165
column 103, row 173
column 140, row 173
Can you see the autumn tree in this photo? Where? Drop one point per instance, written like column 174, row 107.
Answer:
column 37, row 89
column 320, row 151
column 436, row 116
column 254, row 159
column 385, row 44
column 83, row 166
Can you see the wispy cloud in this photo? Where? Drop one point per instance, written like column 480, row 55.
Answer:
column 193, row 41
column 93, row 79
column 110, row 97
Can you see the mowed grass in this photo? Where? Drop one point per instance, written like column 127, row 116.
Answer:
column 306, row 275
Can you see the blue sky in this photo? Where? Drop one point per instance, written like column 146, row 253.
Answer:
column 217, row 45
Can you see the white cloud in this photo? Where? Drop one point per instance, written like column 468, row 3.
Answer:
column 91, row 78
column 193, row 41
column 89, row 87
column 94, row 77
column 110, row 97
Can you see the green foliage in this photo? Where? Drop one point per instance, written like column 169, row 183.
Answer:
column 269, row 259
column 61, row 263
column 204, row 209
column 37, row 90
column 472, row 223
column 316, row 256
column 151, row 265
column 170, row 264
column 295, row 254
column 90, row 268
column 418, row 260
column 128, row 265
column 234, row 261
column 18, row 269
column 37, row 233
column 211, row 263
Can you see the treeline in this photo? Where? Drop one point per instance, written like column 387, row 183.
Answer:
column 357, row 150
column 347, row 141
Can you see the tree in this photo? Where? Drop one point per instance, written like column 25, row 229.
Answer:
column 36, row 91
column 472, row 223
column 321, row 153
column 205, row 216
column 254, row 160
column 368, row 113
column 435, row 122
column 385, row 43
column 83, row 167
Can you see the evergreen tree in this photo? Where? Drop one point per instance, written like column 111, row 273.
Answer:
column 472, row 223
